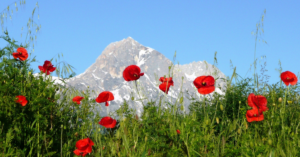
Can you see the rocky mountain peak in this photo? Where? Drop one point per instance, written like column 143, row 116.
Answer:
column 106, row 74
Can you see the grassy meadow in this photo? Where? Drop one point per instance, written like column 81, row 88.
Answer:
column 34, row 123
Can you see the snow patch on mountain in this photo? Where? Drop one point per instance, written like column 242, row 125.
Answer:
column 97, row 78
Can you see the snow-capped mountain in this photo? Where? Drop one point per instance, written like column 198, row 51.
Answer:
column 106, row 74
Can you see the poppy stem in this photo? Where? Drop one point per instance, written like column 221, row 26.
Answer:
column 138, row 92
column 204, row 105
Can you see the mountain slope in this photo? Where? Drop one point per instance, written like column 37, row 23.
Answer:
column 106, row 74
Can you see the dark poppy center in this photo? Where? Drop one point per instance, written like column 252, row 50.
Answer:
column 287, row 78
column 20, row 53
column 203, row 83
column 135, row 75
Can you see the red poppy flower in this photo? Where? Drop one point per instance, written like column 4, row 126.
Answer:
column 205, row 84
column 253, row 115
column 178, row 131
column 83, row 146
column 163, row 86
column 21, row 54
column 259, row 105
column 104, row 97
column 132, row 73
column 21, row 99
column 288, row 78
column 108, row 122
column 258, row 101
column 47, row 67
column 77, row 99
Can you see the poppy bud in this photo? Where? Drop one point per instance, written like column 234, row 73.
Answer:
column 103, row 147
column 239, row 131
column 221, row 107
column 149, row 151
column 280, row 99
column 132, row 98
column 207, row 121
column 136, row 117
column 289, row 102
column 60, row 89
column 240, row 102
column 76, row 134
column 274, row 104
column 99, row 129
column 246, row 125
column 88, row 86
column 146, row 139
column 270, row 142
column 29, row 73
column 65, row 127
column 4, row 81
column 251, row 144
column 181, row 107
column 217, row 119
column 181, row 100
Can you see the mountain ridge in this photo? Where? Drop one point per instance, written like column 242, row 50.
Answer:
column 106, row 75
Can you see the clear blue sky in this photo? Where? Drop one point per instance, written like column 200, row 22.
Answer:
column 195, row 29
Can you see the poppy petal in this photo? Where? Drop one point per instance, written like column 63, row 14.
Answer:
column 206, row 90
column 105, row 96
column 108, row 122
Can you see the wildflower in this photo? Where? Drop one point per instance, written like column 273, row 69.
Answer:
column 259, row 104
column 288, row 78
column 280, row 99
column 132, row 73
column 77, row 99
column 21, row 100
column 205, row 84
column 83, row 146
column 178, row 131
column 47, row 67
column 21, row 54
column 166, row 83
column 104, row 97
column 108, row 122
